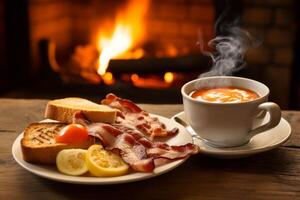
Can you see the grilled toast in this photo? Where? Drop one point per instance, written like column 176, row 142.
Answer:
column 39, row 146
column 63, row 110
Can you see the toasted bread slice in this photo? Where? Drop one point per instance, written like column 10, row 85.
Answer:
column 63, row 110
column 39, row 146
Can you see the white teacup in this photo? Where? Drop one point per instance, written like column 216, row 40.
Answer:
column 228, row 124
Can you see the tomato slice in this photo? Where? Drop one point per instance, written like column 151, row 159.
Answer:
column 72, row 133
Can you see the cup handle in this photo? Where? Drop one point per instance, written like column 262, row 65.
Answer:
column 275, row 115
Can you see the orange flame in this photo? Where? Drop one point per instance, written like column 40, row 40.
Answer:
column 127, row 33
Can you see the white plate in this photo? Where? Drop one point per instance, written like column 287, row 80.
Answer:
column 50, row 172
column 262, row 142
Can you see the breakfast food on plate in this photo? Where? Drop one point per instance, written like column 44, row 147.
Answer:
column 127, row 136
column 72, row 161
column 72, row 133
column 63, row 109
column 39, row 145
column 130, row 115
column 101, row 162
column 133, row 135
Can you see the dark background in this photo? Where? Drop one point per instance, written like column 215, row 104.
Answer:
column 25, row 73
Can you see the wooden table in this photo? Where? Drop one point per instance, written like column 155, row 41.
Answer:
column 270, row 175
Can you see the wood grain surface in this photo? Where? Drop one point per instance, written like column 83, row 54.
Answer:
column 271, row 175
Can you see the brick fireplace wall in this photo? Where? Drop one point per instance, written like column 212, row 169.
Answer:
column 49, row 19
column 272, row 21
column 181, row 23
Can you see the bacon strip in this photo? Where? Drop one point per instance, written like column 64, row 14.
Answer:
column 139, row 152
column 131, row 115
column 132, row 136
column 172, row 152
column 132, row 152
column 124, row 105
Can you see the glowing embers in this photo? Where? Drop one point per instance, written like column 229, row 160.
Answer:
column 165, row 80
column 169, row 77
column 108, row 78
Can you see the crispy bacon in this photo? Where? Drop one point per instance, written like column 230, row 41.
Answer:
column 130, row 115
column 134, row 153
column 124, row 105
column 132, row 136
column 139, row 152
column 130, row 149
column 172, row 152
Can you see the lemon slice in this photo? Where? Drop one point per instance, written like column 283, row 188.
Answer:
column 72, row 161
column 104, row 163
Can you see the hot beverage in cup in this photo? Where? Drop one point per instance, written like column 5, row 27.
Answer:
column 222, row 109
column 224, row 95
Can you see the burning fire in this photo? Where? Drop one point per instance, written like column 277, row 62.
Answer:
column 128, row 32
column 153, row 81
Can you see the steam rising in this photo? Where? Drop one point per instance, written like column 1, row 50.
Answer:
column 229, row 52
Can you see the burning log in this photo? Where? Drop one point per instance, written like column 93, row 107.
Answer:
column 155, row 72
column 159, row 65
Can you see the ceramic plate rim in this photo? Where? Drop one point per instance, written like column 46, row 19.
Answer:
column 16, row 147
column 236, row 152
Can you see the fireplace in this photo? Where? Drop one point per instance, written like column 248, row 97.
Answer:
column 146, row 47
column 138, row 45
column 149, row 44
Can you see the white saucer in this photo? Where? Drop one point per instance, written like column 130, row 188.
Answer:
column 262, row 142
